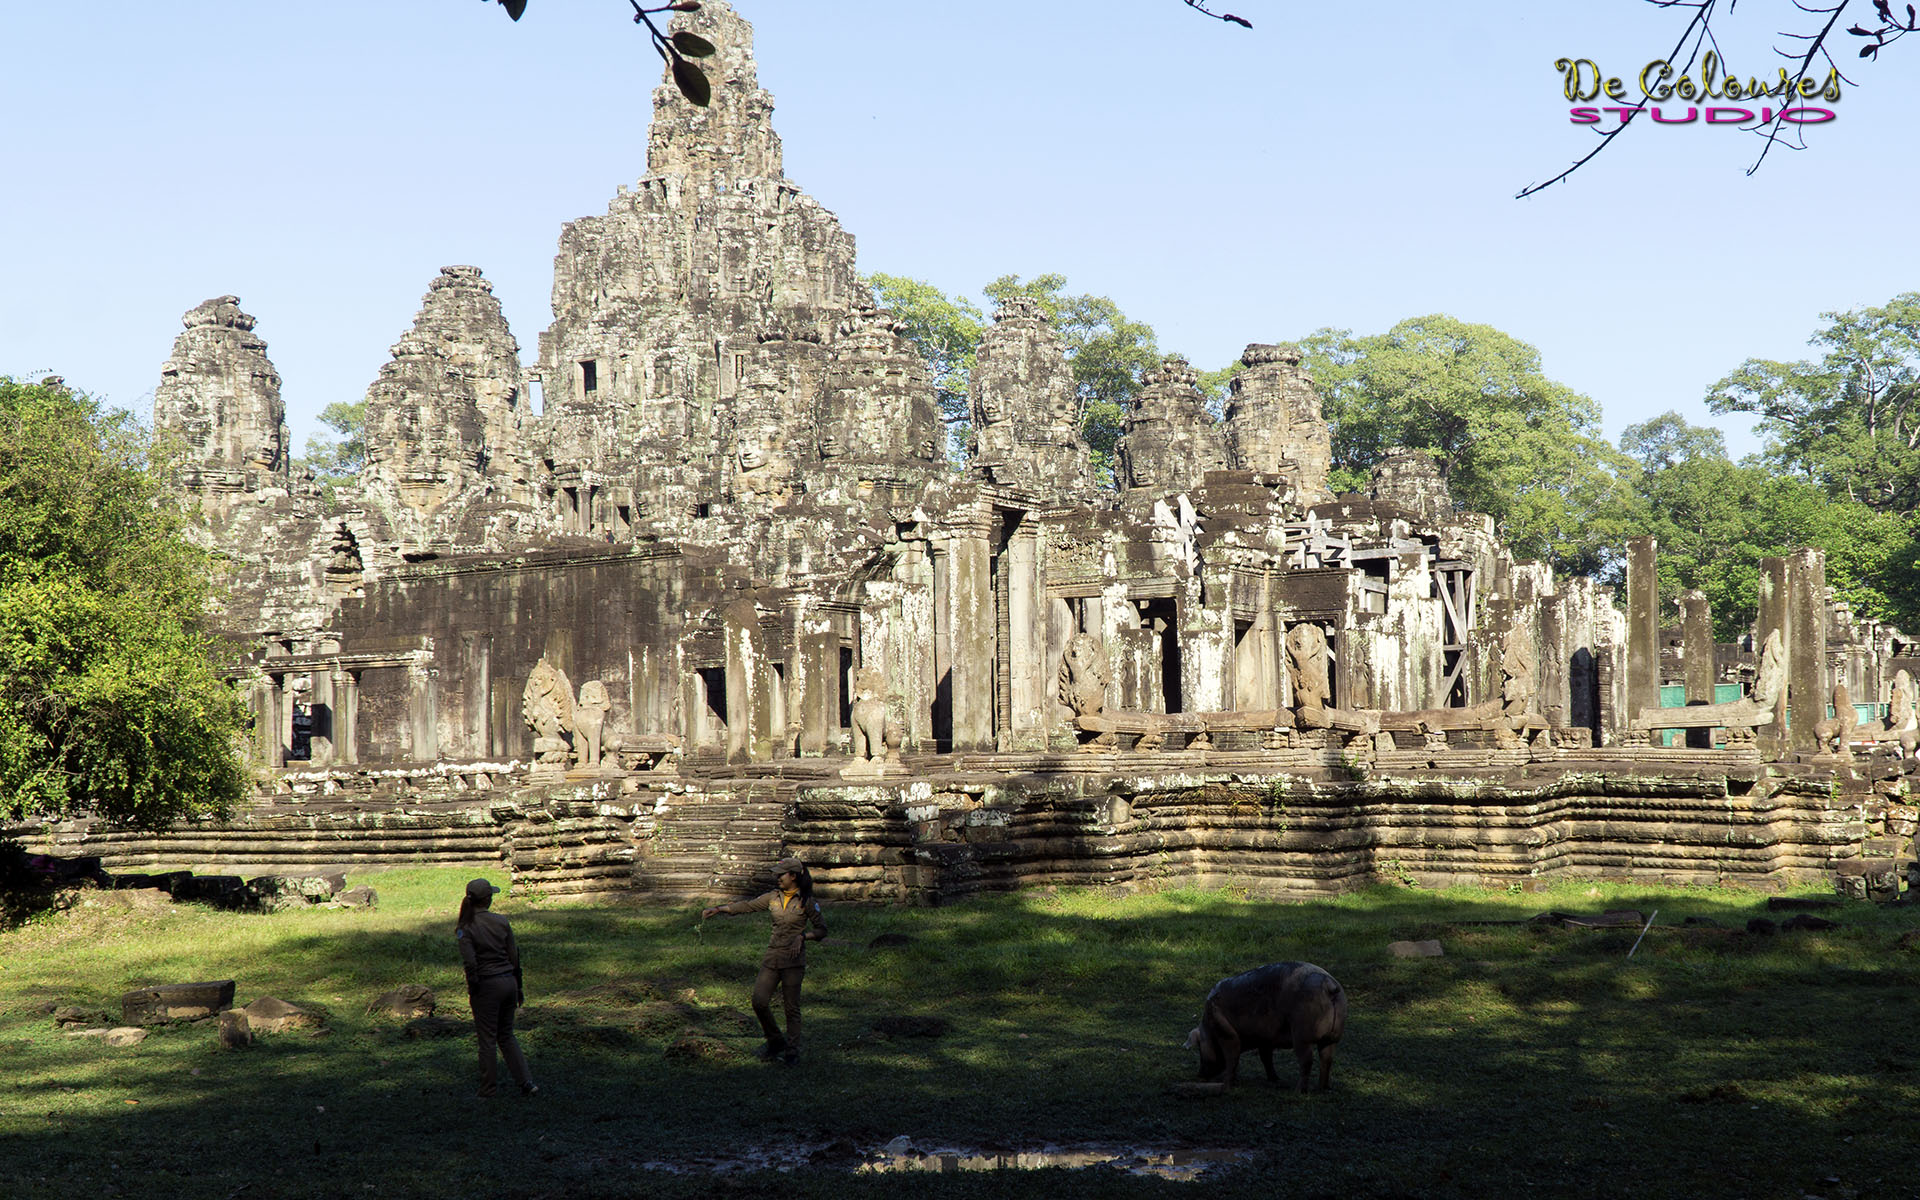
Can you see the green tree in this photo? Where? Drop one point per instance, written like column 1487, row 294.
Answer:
column 1715, row 519
column 335, row 460
column 1510, row 442
column 946, row 329
column 1849, row 420
column 109, row 701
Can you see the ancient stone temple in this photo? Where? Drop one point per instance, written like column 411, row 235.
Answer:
column 719, row 596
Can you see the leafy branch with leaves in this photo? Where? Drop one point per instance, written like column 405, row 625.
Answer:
column 676, row 47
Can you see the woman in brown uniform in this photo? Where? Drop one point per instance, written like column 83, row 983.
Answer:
column 796, row 920
column 492, row 963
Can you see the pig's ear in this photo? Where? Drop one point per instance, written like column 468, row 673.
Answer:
column 1193, row 1039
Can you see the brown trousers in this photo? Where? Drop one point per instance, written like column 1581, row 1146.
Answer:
column 494, row 999
column 789, row 980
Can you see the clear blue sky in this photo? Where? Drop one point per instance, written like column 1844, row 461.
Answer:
column 1343, row 165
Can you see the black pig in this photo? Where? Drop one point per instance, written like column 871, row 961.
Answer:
column 1281, row 1005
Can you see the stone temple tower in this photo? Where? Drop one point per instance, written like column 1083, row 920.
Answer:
column 713, row 265
column 446, row 420
column 218, row 407
column 1274, row 424
column 1170, row 442
column 1025, row 405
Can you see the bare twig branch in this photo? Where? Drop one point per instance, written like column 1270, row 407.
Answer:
column 1200, row 6
column 1703, row 10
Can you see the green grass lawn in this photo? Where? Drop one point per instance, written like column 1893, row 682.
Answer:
column 1530, row 1059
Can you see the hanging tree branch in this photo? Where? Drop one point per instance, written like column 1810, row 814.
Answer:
column 675, row 48
column 1200, row 7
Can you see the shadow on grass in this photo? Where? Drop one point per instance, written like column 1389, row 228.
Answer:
column 1712, row 1063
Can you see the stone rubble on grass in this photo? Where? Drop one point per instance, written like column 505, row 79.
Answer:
column 270, row 1014
column 122, row 1035
column 176, row 1002
column 407, row 1002
column 235, row 1031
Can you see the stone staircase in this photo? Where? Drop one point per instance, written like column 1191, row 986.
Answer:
column 715, row 846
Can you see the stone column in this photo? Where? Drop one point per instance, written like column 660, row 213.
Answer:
column 1643, row 627
column 1026, row 630
column 820, row 685
column 347, row 719
column 1204, row 626
column 1696, row 647
column 423, row 707
column 476, row 695
column 749, row 685
column 1556, row 700
column 1771, row 740
column 975, row 664
column 918, row 643
column 267, row 700
column 321, row 717
column 1807, row 684
column 1062, row 624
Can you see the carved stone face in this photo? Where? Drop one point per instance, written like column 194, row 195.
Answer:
column 993, row 408
column 928, row 448
column 752, row 452
column 831, row 446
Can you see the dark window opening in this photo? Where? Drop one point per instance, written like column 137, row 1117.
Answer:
column 702, row 510
column 302, row 748
column 1161, row 617
column 846, row 687
column 714, row 683
column 589, row 376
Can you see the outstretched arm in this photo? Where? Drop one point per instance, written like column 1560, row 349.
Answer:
column 757, row 904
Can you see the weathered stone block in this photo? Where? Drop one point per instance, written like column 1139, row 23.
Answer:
column 176, row 1002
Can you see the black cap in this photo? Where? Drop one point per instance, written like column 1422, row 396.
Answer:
column 480, row 889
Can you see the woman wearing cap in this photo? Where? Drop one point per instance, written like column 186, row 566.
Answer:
column 492, row 962
column 794, row 910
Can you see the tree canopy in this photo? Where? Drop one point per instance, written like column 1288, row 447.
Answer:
column 334, row 460
column 1715, row 519
column 1850, row 419
column 109, row 701
column 1509, row 441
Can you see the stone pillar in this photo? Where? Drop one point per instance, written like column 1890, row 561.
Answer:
column 321, row 716
column 1643, row 627
column 749, row 685
column 283, row 686
column 1556, row 698
column 1026, row 630
column 1696, row 647
column 940, row 716
column 1807, row 684
column 971, row 625
column 820, row 686
column 476, row 696
column 1205, row 629
column 918, row 644
column 1771, row 740
column 267, row 700
column 346, row 737
column 1062, row 625
column 423, row 707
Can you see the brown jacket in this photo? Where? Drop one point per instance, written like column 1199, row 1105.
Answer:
column 791, row 916
column 487, row 948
